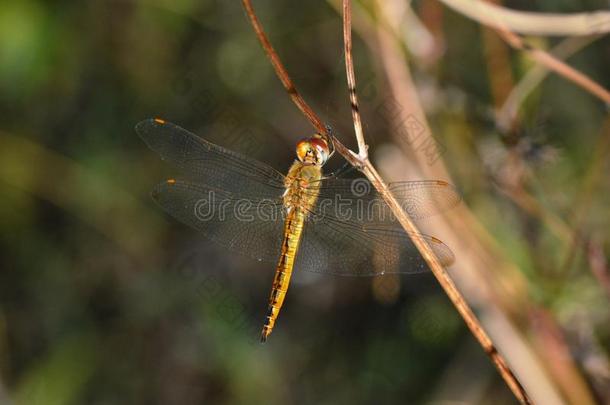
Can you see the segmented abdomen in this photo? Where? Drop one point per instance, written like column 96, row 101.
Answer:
column 293, row 228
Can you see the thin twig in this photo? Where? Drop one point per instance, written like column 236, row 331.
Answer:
column 556, row 65
column 505, row 28
column 507, row 115
column 531, row 23
column 407, row 223
column 362, row 162
column 351, row 80
column 280, row 70
column 449, row 286
column 489, row 278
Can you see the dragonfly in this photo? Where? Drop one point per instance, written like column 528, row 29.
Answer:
column 303, row 220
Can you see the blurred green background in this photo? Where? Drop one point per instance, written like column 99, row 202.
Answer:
column 106, row 300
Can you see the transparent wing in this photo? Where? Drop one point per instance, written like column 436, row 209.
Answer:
column 351, row 231
column 419, row 199
column 230, row 198
column 248, row 226
column 204, row 162
column 345, row 249
column 236, row 201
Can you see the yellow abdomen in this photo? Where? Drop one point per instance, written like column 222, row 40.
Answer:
column 297, row 203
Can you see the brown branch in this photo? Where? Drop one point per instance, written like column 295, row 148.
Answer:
column 531, row 23
column 351, row 80
column 362, row 162
column 489, row 279
column 507, row 115
column 280, row 70
column 552, row 63
column 507, row 32
column 407, row 223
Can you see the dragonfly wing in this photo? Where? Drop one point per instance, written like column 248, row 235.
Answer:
column 419, row 199
column 347, row 248
column 204, row 162
column 248, row 226
column 351, row 231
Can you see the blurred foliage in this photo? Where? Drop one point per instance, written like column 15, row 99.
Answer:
column 105, row 300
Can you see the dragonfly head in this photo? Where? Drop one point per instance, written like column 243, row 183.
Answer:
column 313, row 151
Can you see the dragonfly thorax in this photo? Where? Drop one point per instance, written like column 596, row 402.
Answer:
column 302, row 186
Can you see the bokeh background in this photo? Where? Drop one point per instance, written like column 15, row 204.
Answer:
column 106, row 300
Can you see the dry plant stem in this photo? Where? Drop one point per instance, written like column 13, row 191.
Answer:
column 532, row 23
column 600, row 20
column 507, row 115
column 438, row 270
column 369, row 171
column 280, row 70
column 556, row 65
column 484, row 270
column 351, row 79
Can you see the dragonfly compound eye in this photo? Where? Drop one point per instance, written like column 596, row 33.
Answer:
column 313, row 151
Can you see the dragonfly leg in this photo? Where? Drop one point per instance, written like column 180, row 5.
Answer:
column 346, row 168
